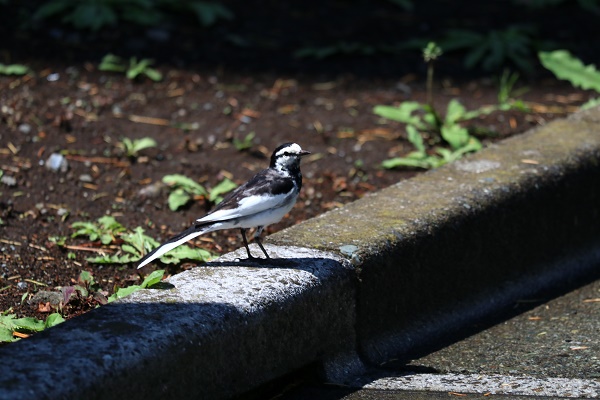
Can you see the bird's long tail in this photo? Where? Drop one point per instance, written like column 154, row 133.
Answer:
column 188, row 234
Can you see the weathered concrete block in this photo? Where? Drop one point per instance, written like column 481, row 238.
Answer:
column 452, row 244
column 220, row 329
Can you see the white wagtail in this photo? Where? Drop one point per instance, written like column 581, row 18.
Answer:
column 261, row 201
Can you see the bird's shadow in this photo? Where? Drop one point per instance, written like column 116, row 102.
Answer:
column 260, row 262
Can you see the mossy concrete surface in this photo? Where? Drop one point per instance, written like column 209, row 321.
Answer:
column 451, row 245
column 378, row 277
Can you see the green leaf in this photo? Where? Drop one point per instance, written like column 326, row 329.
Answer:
column 484, row 110
column 86, row 278
column 53, row 320
column 152, row 279
column 178, row 198
column 6, row 335
column 122, row 292
column 425, row 163
column 112, row 63
column 415, row 138
column 188, row 184
column 566, row 66
column 109, row 223
column 402, row 113
column 591, row 103
column 226, row 185
column 82, row 290
column 130, row 249
column 185, row 253
column 106, row 238
column 13, row 69
column 85, row 229
column 28, row 324
column 136, row 68
column 141, row 144
column 153, row 74
column 455, row 135
column 455, row 112
column 244, row 144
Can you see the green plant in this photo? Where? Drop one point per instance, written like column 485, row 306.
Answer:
column 106, row 229
column 13, row 69
column 133, row 147
column 13, row 328
column 225, row 186
column 136, row 244
column 184, row 189
column 133, row 244
column 60, row 241
column 565, row 66
column 507, row 92
column 150, row 281
column 88, row 289
column 244, row 144
column 493, row 49
column 135, row 68
column 431, row 53
column 421, row 118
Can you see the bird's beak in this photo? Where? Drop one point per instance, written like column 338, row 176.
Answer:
column 304, row 153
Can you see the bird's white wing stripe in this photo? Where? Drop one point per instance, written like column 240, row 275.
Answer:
column 170, row 246
column 248, row 206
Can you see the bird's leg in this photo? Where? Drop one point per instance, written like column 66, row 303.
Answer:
column 243, row 230
column 258, row 240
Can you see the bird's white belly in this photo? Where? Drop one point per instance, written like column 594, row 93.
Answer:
column 266, row 217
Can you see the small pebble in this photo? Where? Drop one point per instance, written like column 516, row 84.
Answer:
column 53, row 77
column 152, row 190
column 8, row 180
column 57, row 162
column 85, row 178
column 22, row 285
column 25, row 128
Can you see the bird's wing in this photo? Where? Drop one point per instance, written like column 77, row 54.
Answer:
column 264, row 191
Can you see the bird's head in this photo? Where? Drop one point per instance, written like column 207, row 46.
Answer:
column 287, row 156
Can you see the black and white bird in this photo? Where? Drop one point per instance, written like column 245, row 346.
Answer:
column 261, row 201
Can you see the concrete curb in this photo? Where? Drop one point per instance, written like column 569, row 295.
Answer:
column 391, row 271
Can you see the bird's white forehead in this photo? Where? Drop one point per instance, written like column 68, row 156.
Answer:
column 292, row 148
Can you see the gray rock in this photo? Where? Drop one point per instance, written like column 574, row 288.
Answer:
column 57, row 162
column 85, row 178
column 8, row 180
column 44, row 296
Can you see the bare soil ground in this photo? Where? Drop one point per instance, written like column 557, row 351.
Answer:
column 70, row 107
